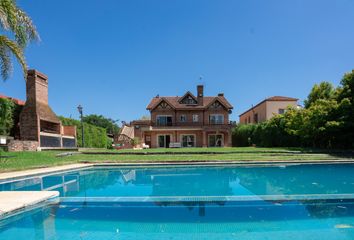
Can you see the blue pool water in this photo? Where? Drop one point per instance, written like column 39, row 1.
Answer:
column 215, row 202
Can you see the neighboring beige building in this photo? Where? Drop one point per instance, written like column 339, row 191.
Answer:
column 267, row 109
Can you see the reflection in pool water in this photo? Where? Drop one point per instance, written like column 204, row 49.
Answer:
column 196, row 181
column 191, row 203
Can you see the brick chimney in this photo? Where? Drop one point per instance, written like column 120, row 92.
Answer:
column 200, row 94
column 36, row 87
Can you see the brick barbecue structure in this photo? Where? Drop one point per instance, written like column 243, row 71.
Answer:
column 187, row 121
column 38, row 122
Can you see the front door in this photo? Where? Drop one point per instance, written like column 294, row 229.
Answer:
column 164, row 141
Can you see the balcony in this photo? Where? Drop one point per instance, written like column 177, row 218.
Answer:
column 190, row 125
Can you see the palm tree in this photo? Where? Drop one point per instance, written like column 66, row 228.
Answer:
column 18, row 31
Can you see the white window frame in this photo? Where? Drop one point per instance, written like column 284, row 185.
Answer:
column 222, row 139
column 216, row 117
column 195, row 118
column 281, row 109
column 157, row 116
column 194, row 142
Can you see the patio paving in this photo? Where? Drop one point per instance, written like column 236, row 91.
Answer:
column 15, row 200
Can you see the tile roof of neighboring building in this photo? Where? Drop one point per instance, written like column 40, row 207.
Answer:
column 280, row 98
column 175, row 103
column 126, row 131
column 270, row 99
column 15, row 100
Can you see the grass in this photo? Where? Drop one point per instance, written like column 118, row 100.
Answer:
column 28, row 160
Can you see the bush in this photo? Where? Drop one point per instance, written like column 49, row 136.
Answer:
column 242, row 135
column 7, row 108
column 95, row 137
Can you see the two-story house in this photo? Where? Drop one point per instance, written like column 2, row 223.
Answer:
column 186, row 121
column 267, row 109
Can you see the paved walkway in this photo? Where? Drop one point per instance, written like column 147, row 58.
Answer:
column 38, row 171
column 11, row 200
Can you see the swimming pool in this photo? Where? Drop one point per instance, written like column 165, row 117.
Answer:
column 190, row 202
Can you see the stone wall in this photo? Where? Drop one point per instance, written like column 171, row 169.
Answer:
column 18, row 146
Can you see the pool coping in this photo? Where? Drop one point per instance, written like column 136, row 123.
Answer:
column 15, row 175
column 13, row 201
column 41, row 171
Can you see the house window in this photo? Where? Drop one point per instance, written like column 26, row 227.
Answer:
column 281, row 111
column 216, row 119
column 188, row 140
column 255, row 117
column 164, row 120
column 216, row 140
column 195, row 118
column 183, row 118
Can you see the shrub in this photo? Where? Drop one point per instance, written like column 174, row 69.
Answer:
column 7, row 108
column 95, row 137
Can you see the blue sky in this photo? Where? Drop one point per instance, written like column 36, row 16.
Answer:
column 112, row 56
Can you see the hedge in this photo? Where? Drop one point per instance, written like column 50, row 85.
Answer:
column 95, row 137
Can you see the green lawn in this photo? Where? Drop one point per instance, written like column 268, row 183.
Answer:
column 27, row 160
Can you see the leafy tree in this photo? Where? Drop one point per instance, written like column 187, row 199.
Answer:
column 145, row 117
column 18, row 30
column 345, row 100
column 6, row 116
column 324, row 90
column 109, row 124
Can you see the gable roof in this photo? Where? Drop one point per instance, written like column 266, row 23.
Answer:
column 175, row 103
column 185, row 95
column 126, row 131
column 160, row 100
column 272, row 99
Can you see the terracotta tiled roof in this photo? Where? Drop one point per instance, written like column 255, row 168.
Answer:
column 270, row 99
column 280, row 98
column 126, row 131
column 174, row 102
column 15, row 100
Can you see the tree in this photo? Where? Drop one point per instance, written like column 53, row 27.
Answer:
column 324, row 90
column 145, row 117
column 6, row 116
column 345, row 100
column 109, row 124
column 18, row 31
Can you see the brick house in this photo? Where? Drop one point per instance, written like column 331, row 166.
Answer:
column 187, row 121
column 267, row 108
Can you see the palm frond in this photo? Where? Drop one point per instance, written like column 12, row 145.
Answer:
column 17, row 24
column 9, row 15
column 26, row 25
column 5, row 62
column 13, row 48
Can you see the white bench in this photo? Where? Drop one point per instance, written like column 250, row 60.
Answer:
column 175, row 145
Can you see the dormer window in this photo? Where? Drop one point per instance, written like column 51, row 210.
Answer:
column 189, row 100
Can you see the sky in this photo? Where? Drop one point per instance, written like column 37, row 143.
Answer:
column 113, row 56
